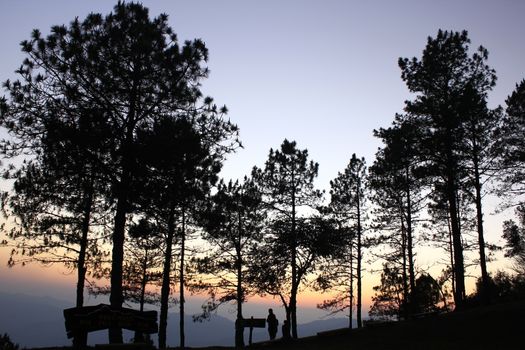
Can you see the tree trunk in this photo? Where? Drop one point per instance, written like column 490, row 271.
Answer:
column 295, row 282
column 351, row 313
column 451, row 249
column 139, row 337
column 144, row 281
column 81, row 268
column 359, row 257
column 165, row 289
column 239, row 330
column 405, row 301
column 181, row 279
column 459, row 269
column 80, row 339
column 410, row 244
column 116, row 297
column 293, row 309
column 485, row 296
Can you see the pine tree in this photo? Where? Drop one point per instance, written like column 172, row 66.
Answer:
column 397, row 189
column 514, row 235
column 337, row 273
column 348, row 197
column 481, row 125
column 511, row 145
column 232, row 224
column 57, row 193
column 440, row 79
column 286, row 183
column 143, row 257
column 181, row 166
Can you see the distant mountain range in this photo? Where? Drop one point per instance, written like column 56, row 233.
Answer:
column 38, row 322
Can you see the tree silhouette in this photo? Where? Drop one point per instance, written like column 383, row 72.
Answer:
column 287, row 185
column 514, row 235
column 130, row 70
column 429, row 293
column 6, row 343
column 388, row 300
column 343, row 268
column 233, row 225
column 398, row 196
column 182, row 163
column 510, row 144
column 347, row 200
column 57, row 195
column 480, row 125
column 143, row 257
column 316, row 239
column 57, row 192
column 337, row 273
column 440, row 79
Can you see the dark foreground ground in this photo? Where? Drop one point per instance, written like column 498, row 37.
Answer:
column 493, row 327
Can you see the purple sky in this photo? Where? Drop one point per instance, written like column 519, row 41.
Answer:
column 323, row 73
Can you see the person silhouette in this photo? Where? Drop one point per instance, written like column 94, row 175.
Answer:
column 286, row 330
column 272, row 324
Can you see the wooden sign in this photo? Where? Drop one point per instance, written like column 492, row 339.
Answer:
column 254, row 322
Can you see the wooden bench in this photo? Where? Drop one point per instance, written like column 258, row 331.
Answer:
column 82, row 320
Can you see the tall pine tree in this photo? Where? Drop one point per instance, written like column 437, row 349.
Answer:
column 348, row 197
column 287, row 185
column 440, row 80
column 397, row 195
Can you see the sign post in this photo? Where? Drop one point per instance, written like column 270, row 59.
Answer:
column 253, row 323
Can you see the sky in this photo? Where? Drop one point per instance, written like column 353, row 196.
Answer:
column 322, row 73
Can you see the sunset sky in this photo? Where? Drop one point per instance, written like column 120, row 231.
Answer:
column 323, row 73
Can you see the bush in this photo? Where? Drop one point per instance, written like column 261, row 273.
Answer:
column 7, row 344
column 502, row 287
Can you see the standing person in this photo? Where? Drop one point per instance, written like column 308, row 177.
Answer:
column 272, row 324
column 286, row 330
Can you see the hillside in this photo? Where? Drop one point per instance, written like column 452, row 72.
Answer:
column 492, row 327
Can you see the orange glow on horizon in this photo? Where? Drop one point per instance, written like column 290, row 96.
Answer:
column 36, row 279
